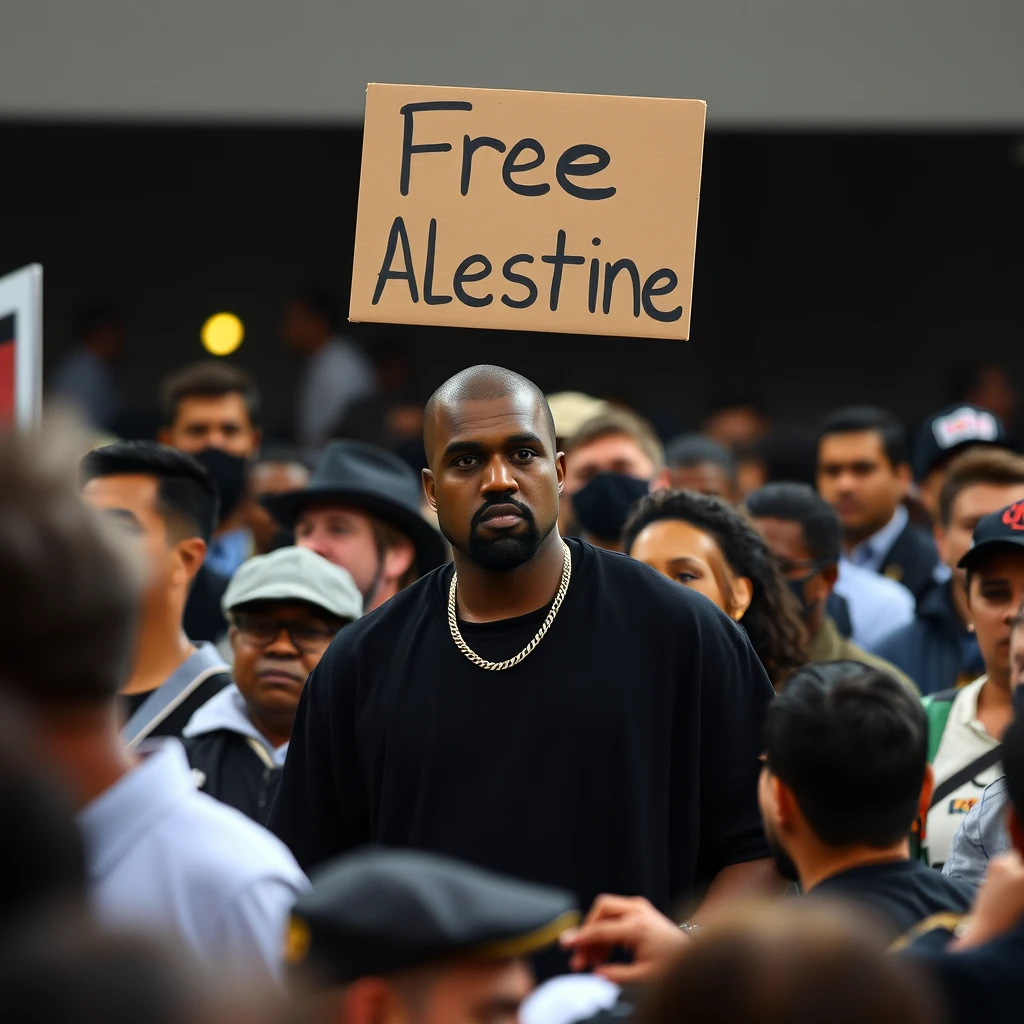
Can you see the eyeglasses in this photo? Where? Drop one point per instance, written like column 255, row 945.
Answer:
column 304, row 637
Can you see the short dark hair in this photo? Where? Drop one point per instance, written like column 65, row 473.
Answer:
column 68, row 634
column 187, row 495
column 321, row 302
column 208, row 379
column 690, row 450
column 1013, row 765
column 800, row 503
column 857, row 419
column 993, row 466
column 773, row 619
column 851, row 742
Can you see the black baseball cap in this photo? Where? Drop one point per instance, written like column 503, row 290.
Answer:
column 1001, row 529
column 956, row 427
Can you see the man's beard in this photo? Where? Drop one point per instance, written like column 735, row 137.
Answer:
column 504, row 552
column 783, row 862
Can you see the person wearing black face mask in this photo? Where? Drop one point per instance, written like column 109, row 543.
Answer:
column 603, row 506
column 804, row 535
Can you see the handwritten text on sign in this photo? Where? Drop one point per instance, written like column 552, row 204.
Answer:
column 528, row 210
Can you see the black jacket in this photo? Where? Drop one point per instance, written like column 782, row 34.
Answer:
column 934, row 650
column 912, row 560
column 229, row 760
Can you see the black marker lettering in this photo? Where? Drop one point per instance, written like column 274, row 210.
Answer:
column 558, row 261
column 386, row 273
column 526, row 282
column 510, row 167
column 428, row 271
column 469, row 147
column 428, row 147
column 461, row 276
column 568, row 164
column 649, row 289
column 611, row 272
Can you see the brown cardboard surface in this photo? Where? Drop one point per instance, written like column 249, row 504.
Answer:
column 641, row 205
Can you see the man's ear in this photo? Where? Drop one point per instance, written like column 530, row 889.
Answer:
column 191, row 555
column 925, row 803
column 662, row 480
column 830, row 574
column 398, row 558
column 560, row 470
column 366, row 1001
column 905, row 475
column 784, row 801
column 428, row 488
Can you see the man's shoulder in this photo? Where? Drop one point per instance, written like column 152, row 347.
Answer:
column 855, row 653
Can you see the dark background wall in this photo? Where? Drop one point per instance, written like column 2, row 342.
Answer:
column 831, row 267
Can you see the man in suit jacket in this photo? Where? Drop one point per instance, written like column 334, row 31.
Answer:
column 864, row 474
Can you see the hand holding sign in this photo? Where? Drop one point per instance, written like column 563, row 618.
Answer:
column 458, row 183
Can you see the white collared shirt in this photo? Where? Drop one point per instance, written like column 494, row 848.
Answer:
column 165, row 858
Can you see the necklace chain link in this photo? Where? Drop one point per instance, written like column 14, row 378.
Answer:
column 500, row 666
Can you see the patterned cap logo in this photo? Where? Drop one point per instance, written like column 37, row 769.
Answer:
column 965, row 424
column 1013, row 517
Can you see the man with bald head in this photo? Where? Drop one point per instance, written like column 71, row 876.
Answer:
column 541, row 707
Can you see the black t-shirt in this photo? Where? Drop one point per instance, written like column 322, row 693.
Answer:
column 620, row 756
column 900, row 894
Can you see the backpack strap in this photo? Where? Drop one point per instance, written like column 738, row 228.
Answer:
column 937, row 707
column 957, row 779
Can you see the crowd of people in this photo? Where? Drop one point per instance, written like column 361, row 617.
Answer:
column 507, row 709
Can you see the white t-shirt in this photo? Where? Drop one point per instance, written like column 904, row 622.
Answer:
column 964, row 740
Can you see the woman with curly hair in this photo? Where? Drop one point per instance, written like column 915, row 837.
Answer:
column 708, row 545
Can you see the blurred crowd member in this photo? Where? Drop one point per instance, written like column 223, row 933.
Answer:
column 789, row 963
column 661, row 678
column 988, row 385
column 697, row 463
column 166, row 502
column 361, row 510
column 85, row 378
column 707, row 545
column 160, row 856
column 276, row 471
column 939, row 649
column 611, row 462
column 979, row 973
column 211, row 410
column 392, row 935
column 967, row 724
column 944, row 436
column 803, row 534
column 570, row 410
column 284, row 609
column 736, row 424
column 863, row 473
column 43, row 855
column 845, row 779
column 336, row 371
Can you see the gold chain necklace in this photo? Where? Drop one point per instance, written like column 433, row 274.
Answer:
column 500, row 666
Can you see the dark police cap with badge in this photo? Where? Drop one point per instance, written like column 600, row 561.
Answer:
column 998, row 530
column 377, row 911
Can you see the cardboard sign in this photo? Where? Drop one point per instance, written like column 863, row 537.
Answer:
column 528, row 211
column 21, row 347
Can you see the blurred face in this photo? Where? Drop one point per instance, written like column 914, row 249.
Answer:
column 994, row 598
column 691, row 557
column 704, row 478
column 615, row 454
column 269, row 478
column 857, row 479
column 276, row 646
column 303, row 330
column 494, row 478
column 344, row 536
column 736, row 427
column 972, row 503
column 813, row 583
column 219, row 421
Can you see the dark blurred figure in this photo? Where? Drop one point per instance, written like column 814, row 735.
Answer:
column 165, row 501
column 705, row 544
column 611, row 462
column 278, row 470
column 392, row 935
column 85, row 378
column 696, row 463
column 211, row 410
column 392, row 416
column 736, row 424
column 43, row 856
column 939, row 649
column 785, row 964
column 864, row 474
column 987, row 384
column 336, row 374
column 941, row 438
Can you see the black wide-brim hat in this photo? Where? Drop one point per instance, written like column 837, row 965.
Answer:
column 373, row 480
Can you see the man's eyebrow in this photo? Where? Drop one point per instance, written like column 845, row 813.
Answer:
column 523, row 439
column 124, row 515
column 463, row 446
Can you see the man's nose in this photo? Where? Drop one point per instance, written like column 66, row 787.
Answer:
column 282, row 646
column 498, row 476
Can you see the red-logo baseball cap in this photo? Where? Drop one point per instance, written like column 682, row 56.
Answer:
column 999, row 529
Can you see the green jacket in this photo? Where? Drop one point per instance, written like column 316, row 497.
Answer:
column 828, row 645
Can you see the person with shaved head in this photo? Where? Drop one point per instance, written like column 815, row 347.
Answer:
column 541, row 707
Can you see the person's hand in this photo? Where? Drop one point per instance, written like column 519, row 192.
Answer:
column 1000, row 902
column 630, row 922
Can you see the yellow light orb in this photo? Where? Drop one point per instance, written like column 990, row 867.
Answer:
column 222, row 334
